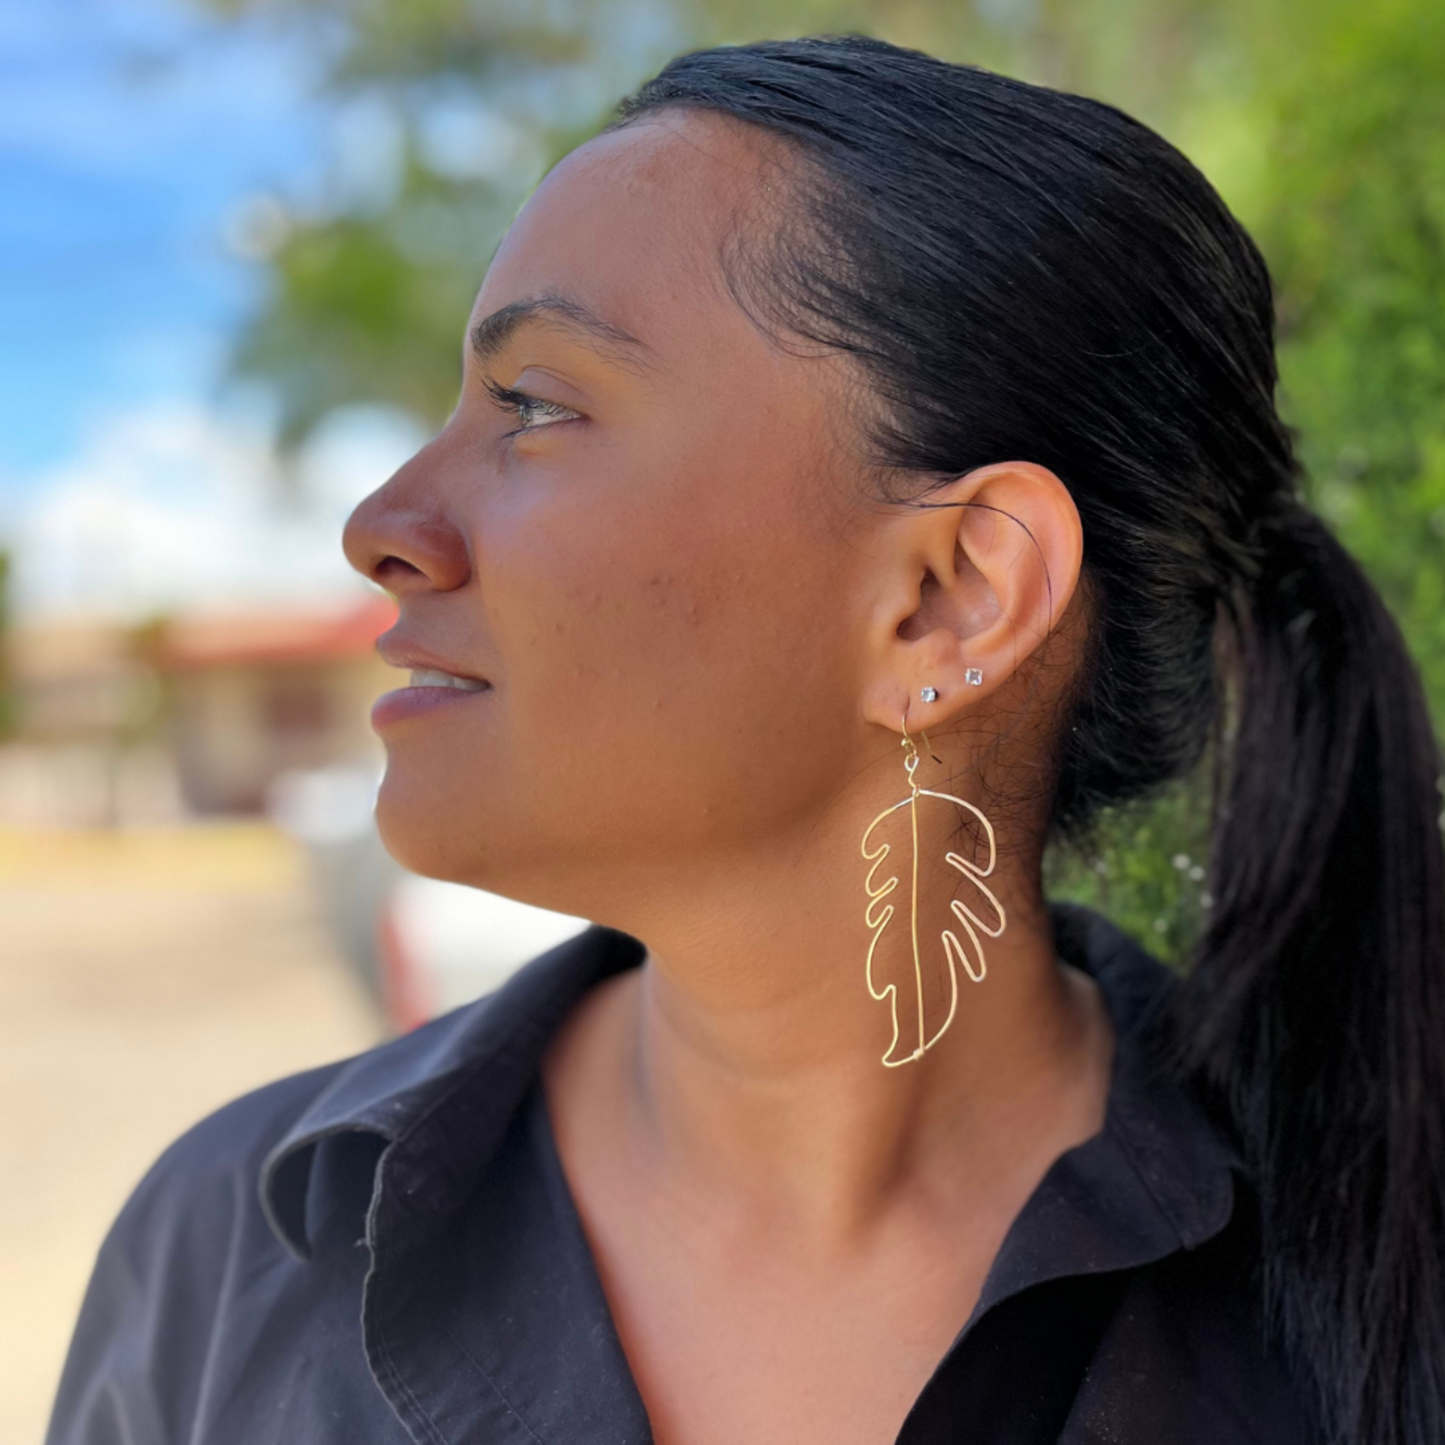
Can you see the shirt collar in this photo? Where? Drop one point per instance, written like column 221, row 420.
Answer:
column 460, row 1079
column 1158, row 1177
column 393, row 1091
column 1183, row 1157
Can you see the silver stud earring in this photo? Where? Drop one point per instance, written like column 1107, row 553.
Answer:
column 973, row 677
column 929, row 694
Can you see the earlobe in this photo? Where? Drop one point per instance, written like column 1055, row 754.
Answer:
column 981, row 572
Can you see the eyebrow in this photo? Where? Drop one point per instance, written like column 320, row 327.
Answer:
column 492, row 333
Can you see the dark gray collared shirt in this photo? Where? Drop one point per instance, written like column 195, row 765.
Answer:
column 385, row 1250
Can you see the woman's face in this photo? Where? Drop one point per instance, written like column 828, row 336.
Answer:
column 641, row 529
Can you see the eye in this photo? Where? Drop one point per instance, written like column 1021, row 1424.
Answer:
column 532, row 412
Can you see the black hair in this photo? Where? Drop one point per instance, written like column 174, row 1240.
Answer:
column 1026, row 274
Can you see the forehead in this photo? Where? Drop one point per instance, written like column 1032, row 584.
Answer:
column 633, row 224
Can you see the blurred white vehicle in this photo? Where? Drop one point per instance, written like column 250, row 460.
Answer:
column 419, row 946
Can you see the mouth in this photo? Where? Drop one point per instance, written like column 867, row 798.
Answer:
column 432, row 677
column 427, row 689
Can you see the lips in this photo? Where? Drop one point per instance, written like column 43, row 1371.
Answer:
column 428, row 689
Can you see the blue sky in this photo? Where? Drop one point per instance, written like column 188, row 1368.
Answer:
column 133, row 479
column 135, row 136
column 129, row 132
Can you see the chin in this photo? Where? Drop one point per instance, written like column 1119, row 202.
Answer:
column 435, row 828
column 419, row 827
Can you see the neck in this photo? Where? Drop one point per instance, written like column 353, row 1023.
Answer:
column 745, row 1056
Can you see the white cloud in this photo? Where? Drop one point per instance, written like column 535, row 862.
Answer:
column 174, row 507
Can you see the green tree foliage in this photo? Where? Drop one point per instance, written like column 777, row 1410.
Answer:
column 1321, row 121
column 367, row 300
column 369, row 308
column 469, row 103
column 1353, row 221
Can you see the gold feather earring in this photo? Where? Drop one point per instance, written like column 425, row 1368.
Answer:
column 878, row 917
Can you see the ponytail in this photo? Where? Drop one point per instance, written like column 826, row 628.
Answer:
column 1316, row 1003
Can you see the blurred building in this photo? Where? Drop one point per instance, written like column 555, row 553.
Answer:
column 76, row 681
column 250, row 697
column 197, row 714
column 82, row 706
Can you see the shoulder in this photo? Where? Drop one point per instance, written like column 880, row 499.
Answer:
column 1188, row 1356
column 217, row 1160
column 212, row 1181
column 137, row 1357
column 211, row 1248
column 196, row 1271
column 259, row 1145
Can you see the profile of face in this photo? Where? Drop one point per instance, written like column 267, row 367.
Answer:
column 649, row 538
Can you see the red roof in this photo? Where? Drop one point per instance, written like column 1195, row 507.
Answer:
column 329, row 635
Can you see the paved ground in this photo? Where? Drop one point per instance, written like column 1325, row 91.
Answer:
column 143, row 982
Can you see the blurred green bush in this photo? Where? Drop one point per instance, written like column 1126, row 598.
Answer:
column 1322, row 123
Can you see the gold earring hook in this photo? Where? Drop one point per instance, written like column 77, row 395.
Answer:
column 909, row 743
column 910, row 751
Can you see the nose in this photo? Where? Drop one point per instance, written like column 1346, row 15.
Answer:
column 402, row 538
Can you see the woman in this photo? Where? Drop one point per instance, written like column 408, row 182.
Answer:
column 865, row 469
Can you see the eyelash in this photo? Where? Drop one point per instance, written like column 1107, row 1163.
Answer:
column 521, row 403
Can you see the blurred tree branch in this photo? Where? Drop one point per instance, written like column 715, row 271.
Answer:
column 366, row 302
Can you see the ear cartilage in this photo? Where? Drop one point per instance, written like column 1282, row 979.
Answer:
column 929, row 694
column 973, row 677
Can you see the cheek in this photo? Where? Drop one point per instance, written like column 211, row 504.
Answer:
column 674, row 660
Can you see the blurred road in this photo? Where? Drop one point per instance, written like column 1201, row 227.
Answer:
column 144, row 980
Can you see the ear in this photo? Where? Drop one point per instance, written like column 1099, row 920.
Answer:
column 973, row 577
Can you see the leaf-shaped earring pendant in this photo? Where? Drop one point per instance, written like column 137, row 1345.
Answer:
column 878, row 913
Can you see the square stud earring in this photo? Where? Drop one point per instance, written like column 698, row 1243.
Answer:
column 973, row 677
column 929, row 694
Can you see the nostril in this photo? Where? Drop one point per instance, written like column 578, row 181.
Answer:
column 392, row 569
